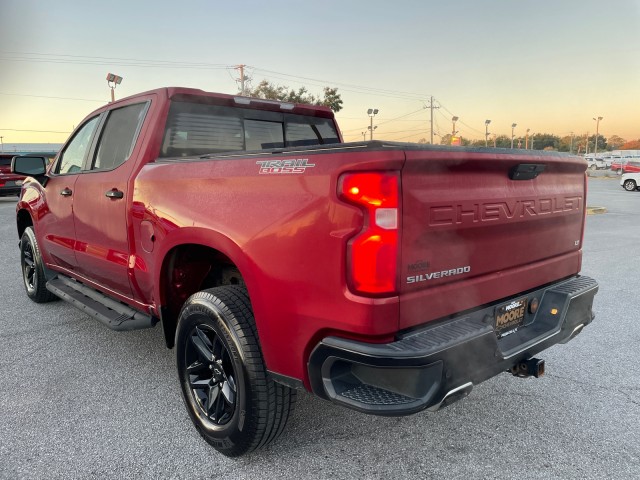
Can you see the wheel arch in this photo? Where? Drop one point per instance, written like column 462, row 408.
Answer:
column 195, row 260
column 23, row 220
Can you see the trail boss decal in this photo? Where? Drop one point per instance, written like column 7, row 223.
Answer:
column 270, row 167
column 425, row 277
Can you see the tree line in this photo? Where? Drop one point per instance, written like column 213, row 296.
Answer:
column 538, row 141
column 546, row 141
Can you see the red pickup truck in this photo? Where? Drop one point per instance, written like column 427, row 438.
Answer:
column 389, row 278
column 10, row 184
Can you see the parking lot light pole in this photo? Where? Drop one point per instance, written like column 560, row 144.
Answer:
column 113, row 80
column 513, row 126
column 526, row 140
column 372, row 112
column 595, row 150
column 486, row 133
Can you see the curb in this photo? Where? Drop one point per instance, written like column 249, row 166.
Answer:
column 596, row 210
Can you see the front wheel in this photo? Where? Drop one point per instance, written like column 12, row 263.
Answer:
column 230, row 398
column 629, row 185
column 32, row 265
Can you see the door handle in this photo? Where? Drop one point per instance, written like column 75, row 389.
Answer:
column 66, row 192
column 114, row 193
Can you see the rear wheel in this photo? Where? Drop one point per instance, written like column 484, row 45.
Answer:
column 33, row 268
column 230, row 398
column 629, row 185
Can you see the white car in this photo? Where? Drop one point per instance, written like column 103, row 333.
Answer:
column 630, row 181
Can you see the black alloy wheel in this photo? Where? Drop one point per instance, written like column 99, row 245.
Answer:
column 211, row 375
column 29, row 267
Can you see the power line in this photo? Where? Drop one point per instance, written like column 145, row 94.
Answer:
column 115, row 61
column 55, row 98
column 390, row 120
column 38, row 131
column 346, row 86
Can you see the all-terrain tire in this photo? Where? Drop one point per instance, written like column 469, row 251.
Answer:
column 230, row 397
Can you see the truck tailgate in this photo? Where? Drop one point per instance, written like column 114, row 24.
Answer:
column 474, row 232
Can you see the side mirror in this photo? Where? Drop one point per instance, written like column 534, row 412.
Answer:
column 29, row 166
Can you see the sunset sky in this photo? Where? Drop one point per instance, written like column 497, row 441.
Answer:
column 549, row 66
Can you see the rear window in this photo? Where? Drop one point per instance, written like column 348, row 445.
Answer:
column 5, row 161
column 197, row 129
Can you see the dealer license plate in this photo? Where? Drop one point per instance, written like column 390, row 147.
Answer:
column 510, row 317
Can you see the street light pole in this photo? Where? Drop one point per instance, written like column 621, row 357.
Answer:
column 595, row 151
column 113, row 81
column 486, row 133
column 526, row 140
column 454, row 119
column 372, row 112
column 1, row 144
column 513, row 125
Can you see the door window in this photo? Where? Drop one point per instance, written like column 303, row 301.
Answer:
column 72, row 158
column 119, row 136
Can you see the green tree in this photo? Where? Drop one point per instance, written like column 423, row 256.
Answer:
column 544, row 141
column 602, row 143
column 267, row 90
column 501, row 141
column 567, row 144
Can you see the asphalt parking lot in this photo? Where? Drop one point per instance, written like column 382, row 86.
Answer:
column 80, row 401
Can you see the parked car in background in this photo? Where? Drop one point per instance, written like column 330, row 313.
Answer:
column 630, row 181
column 626, row 166
column 597, row 163
column 10, row 183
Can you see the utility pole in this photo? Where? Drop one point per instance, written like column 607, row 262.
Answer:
column 595, row 152
column 1, row 144
column 526, row 140
column 243, row 80
column 586, row 143
column 431, row 107
column 571, row 144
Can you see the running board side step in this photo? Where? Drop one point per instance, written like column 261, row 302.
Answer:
column 113, row 314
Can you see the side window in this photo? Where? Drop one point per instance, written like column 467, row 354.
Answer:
column 194, row 129
column 118, row 136
column 306, row 131
column 261, row 135
column 72, row 158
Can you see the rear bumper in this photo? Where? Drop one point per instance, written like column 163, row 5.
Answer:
column 440, row 363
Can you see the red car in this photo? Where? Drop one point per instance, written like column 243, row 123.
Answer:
column 626, row 166
column 10, row 183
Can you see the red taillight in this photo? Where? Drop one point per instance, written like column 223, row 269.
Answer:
column 373, row 253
